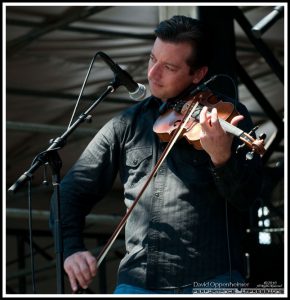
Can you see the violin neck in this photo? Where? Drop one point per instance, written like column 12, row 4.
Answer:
column 228, row 127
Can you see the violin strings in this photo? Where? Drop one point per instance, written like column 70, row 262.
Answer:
column 228, row 127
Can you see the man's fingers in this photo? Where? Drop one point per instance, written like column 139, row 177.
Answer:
column 73, row 282
column 208, row 120
column 81, row 268
column 203, row 118
column 236, row 120
column 84, row 273
column 75, row 277
column 214, row 117
column 92, row 263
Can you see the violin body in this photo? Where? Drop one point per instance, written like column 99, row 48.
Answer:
column 167, row 123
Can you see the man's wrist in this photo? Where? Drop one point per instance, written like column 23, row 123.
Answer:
column 220, row 162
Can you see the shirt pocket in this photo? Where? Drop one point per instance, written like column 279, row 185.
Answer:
column 138, row 164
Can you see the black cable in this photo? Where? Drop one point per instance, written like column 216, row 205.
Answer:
column 30, row 238
column 235, row 89
column 82, row 89
column 228, row 241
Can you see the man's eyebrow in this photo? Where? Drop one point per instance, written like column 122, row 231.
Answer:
column 166, row 63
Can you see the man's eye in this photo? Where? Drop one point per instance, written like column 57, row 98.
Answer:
column 170, row 68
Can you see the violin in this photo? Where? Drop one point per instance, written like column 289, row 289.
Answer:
column 169, row 121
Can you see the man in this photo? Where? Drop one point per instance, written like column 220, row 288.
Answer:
column 184, row 231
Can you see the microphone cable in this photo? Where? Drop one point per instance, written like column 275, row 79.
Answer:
column 82, row 89
column 31, row 250
column 226, row 204
column 228, row 240
column 234, row 100
column 32, row 262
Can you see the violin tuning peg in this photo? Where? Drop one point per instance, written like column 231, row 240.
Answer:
column 240, row 147
column 250, row 155
column 253, row 130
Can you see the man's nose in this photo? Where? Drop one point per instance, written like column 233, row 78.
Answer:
column 154, row 71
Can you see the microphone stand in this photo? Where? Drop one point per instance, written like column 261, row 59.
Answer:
column 51, row 156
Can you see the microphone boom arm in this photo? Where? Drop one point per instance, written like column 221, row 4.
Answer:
column 59, row 142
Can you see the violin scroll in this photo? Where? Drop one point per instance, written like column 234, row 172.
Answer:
column 256, row 145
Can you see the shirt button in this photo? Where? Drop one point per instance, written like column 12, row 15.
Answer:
column 157, row 194
column 135, row 161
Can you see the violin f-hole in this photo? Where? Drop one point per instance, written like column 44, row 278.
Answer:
column 176, row 123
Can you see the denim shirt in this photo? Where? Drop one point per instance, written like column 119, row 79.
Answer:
column 186, row 226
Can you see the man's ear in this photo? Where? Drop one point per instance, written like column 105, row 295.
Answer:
column 199, row 74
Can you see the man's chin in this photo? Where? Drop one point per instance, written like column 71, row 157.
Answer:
column 158, row 95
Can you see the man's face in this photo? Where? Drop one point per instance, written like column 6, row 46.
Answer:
column 168, row 72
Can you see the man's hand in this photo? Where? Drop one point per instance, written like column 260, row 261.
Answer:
column 80, row 267
column 213, row 138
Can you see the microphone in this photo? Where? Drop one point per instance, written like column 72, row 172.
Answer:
column 203, row 85
column 136, row 90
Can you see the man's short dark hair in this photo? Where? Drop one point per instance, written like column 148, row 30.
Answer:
column 184, row 29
